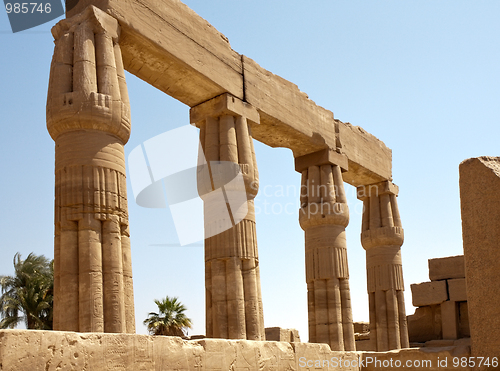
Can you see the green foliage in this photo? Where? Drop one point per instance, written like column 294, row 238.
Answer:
column 170, row 319
column 27, row 296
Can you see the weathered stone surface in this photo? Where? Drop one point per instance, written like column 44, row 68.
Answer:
column 449, row 318
column 323, row 216
column 361, row 327
column 457, row 289
column 22, row 350
column 88, row 116
column 189, row 59
column 193, row 62
column 364, row 345
column 289, row 335
column 370, row 161
column 382, row 237
column 480, row 206
column 233, row 297
column 445, row 268
column 428, row 293
column 425, row 324
column 463, row 319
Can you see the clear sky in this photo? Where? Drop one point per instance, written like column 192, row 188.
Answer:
column 423, row 76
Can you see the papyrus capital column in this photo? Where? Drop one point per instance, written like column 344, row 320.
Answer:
column 382, row 237
column 232, row 277
column 88, row 116
column 324, row 215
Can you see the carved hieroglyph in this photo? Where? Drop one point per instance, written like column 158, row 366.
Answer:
column 88, row 116
column 232, row 278
column 382, row 237
column 324, row 215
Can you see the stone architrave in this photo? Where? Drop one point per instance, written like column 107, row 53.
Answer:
column 324, row 216
column 480, row 206
column 382, row 237
column 232, row 274
column 88, row 116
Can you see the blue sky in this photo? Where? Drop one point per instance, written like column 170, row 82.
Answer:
column 423, row 76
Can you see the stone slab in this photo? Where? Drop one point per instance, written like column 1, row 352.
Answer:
column 370, row 160
column 457, row 289
column 28, row 350
column 288, row 335
column 480, row 206
column 193, row 62
column 445, row 268
column 428, row 293
column 323, row 157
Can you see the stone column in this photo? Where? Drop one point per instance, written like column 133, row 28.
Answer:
column 324, row 215
column 232, row 277
column 382, row 237
column 480, row 207
column 88, row 116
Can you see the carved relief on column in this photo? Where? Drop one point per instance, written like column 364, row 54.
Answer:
column 324, row 215
column 382, row 236
column 232, row 277
column 88, row 116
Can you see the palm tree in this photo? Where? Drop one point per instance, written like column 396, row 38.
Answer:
column 170, row 319
column 28, row 295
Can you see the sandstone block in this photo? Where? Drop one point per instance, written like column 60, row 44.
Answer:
column 463, row 319
column 364, row 345
column 361, row 327
column 480, row 206
column 23, row 350
column 425, row 324
column 429, row 293
column 282, row 334
column 457, row 289
column 449, row 318
column 445, row 268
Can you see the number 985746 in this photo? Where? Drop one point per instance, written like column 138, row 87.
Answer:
column 24, row 8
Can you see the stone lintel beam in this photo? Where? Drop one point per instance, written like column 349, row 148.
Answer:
column 193, row 62
column 323, row 157
column 224, row 104
column 377, row 189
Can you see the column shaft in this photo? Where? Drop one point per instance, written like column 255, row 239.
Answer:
column 88, row 117
column 382, row 237
column 324, row 216
column 227, row 183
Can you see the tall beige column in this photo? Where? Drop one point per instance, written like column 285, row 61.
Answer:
column 88, row 116
column 480, row 208
column 232, row 278
column 382, row 237
column 324, row 215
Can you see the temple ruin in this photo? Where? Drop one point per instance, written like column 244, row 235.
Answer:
column 233, row 101
column 88, row 116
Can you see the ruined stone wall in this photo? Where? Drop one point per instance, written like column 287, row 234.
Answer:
column 442, row 303
column 24, row 350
